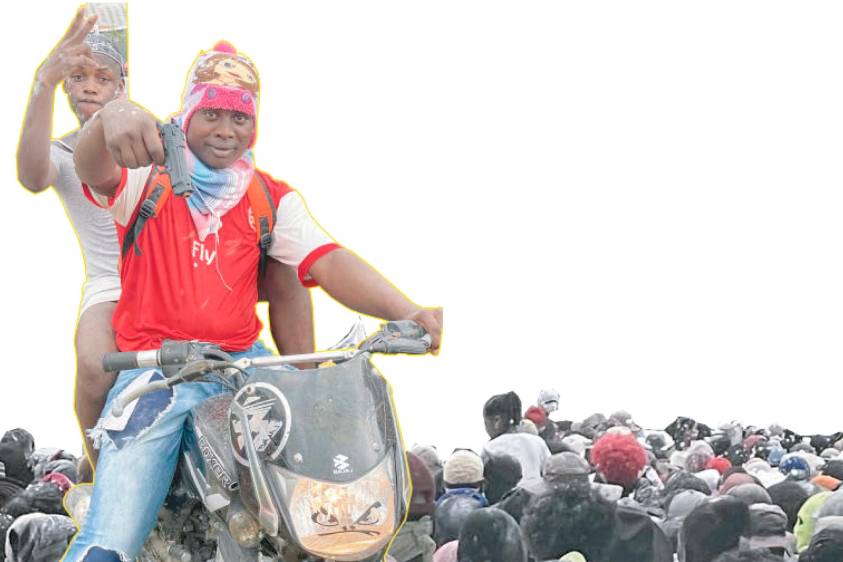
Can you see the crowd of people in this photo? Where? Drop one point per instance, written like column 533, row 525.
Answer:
column 598, row 490
column 34, row 526
column 605, row 489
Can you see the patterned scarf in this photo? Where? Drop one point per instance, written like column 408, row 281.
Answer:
column 216, row 190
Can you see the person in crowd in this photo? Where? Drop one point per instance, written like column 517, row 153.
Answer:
column 490, row 535
column 502, row 415
column 619, row 459
column 501, row 473
column 414, row 541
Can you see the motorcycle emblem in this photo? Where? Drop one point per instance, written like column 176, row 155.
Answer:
column 341, row 465
column 268, row 415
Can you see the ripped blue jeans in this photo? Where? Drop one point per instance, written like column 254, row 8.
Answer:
column 139, row 452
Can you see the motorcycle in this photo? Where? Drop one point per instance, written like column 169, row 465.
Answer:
column 292, row 465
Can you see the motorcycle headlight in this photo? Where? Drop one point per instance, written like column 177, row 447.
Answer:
column 343, row 521
column 244, row 529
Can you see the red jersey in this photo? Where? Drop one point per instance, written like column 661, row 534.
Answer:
column 184, row 288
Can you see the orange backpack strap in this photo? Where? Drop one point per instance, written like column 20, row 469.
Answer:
column 263, row 212
column 156, row 192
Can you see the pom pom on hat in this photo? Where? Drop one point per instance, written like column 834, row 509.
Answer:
column 225, row 47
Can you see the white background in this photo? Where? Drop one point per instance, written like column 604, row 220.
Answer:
column 638, row 203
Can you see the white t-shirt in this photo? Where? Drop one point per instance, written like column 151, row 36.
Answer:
column 530, row 450
column 95, row 229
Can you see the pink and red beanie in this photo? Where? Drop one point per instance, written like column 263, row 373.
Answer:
column 223, row 79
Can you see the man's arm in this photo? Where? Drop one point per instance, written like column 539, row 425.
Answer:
column 354, row 283
column 35, row 170
column 290, row 309
column 120, row 135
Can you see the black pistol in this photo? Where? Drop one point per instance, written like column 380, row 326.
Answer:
column 174, row 146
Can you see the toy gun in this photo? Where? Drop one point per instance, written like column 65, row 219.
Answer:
column 174, row 146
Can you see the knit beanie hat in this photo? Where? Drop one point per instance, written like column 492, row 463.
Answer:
column 536, row 415
column 463, row 468
column 221, row 79
column 720, row 464
column 619, row 458
column 423, row 500
column 826, row 482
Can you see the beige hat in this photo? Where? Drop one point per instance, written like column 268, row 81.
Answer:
column 464, row 467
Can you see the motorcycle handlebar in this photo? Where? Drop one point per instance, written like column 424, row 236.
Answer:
column 124, row 360
column 402, row 336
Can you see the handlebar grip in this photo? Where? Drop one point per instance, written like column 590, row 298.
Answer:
column 119, row 361
column 124, row 360
column 405, row 345
column 401, row 336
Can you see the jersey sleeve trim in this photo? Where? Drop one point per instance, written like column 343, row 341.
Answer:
column 310, row 259
column 103, row 201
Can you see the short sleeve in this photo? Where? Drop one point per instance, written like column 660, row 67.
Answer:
column 297, row 239
column 129, row 191
column 56, row 157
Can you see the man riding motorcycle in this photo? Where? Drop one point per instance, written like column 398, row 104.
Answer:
column 191, row 272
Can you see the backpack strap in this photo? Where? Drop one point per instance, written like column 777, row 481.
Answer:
column 263, row 212
column 158, row 188
column 156, row 192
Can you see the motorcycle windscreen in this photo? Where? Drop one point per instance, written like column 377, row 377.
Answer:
column 340, row 424
column 339, row 469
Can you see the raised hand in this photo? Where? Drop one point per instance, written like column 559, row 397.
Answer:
column 431, row 320
column 131, row 134
column 70, row 52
